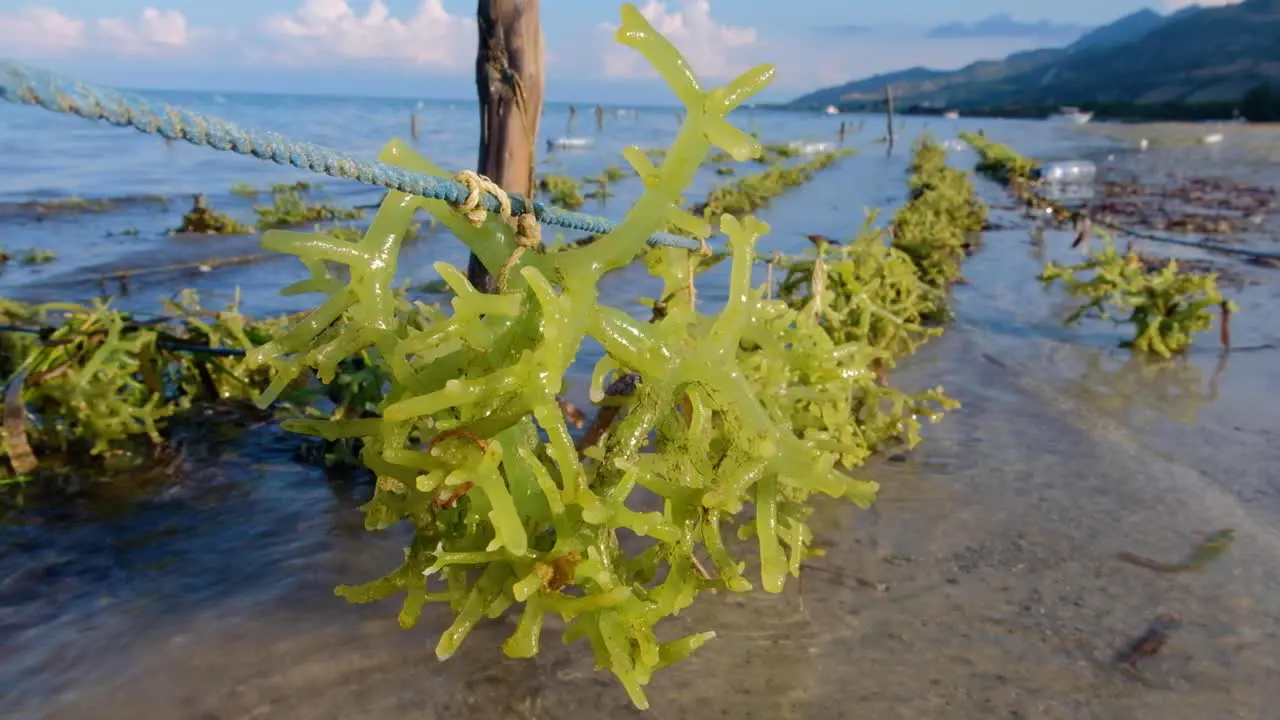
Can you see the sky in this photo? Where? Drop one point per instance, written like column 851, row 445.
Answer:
column 426, row 48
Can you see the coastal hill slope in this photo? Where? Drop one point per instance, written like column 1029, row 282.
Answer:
column 1195, row 55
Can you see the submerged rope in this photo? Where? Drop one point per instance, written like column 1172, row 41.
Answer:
column 24, row 85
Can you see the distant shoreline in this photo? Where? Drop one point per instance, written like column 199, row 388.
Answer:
column 1130, row 113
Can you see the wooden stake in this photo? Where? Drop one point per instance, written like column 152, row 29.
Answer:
column 509, row 83
column 888, row 111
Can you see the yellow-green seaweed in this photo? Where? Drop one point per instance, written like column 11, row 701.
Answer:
column 1165, row 305
column 504, row 518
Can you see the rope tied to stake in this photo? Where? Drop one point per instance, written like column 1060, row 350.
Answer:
column 528, row 228
column 528, row 237
column 774, row 260
column 818, row 281
column 477, row 185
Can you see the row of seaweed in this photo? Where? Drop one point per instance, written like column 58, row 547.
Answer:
column 887, row 292
column 1164, row 302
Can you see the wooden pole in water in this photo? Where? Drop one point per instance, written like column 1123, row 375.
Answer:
column 509, row 83
column 888, row 111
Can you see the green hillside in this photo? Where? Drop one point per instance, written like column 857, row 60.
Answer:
column 1199, row 55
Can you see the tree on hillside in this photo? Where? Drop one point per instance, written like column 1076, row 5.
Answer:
column 1261, row 104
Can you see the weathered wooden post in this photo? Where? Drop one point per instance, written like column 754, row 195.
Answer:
column 888, row 111
column 509, row 82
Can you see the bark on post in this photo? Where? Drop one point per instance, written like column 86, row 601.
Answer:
column 888, row 112
column 509, row 82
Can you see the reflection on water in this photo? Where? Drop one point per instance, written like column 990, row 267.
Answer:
column 1143, row 388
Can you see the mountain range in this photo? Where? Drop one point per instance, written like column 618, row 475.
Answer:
column 1195, row 55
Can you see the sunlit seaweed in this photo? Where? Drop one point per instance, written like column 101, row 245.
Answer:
column 1165, row 305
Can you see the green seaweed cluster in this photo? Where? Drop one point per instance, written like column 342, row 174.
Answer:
column 204, row 220
column 754, row 191
column 101, row 381
column 936, row 225
column 472, row 449
column 873, row 295
column 288, row 208
column 868, row 303
column 562, row 191
column 96, row 388
column 246, row 190
column 1000, row 162
column 1165, row 304
column 31, row 256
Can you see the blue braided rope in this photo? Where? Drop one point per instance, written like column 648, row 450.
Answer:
column 30, row 86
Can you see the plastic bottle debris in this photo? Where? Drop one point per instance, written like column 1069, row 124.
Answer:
column 1070, row 194
column 1069, row 171
column 811, row 148
column 565, row 143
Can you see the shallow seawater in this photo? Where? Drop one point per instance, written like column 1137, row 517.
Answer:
column 983, row 584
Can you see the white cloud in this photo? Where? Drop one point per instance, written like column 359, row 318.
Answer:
column 43, row 31
column 712, row 49
column 156, row 28
column 323, row 30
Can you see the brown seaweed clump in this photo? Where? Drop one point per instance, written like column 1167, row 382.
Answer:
column 203, row 220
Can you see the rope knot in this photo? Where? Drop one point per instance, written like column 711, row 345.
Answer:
column 818, row 283
column 528, row 232
column 774, row 261
column 528, row 237
column 477, row 185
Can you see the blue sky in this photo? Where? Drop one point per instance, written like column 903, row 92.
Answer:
column 426, row 48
